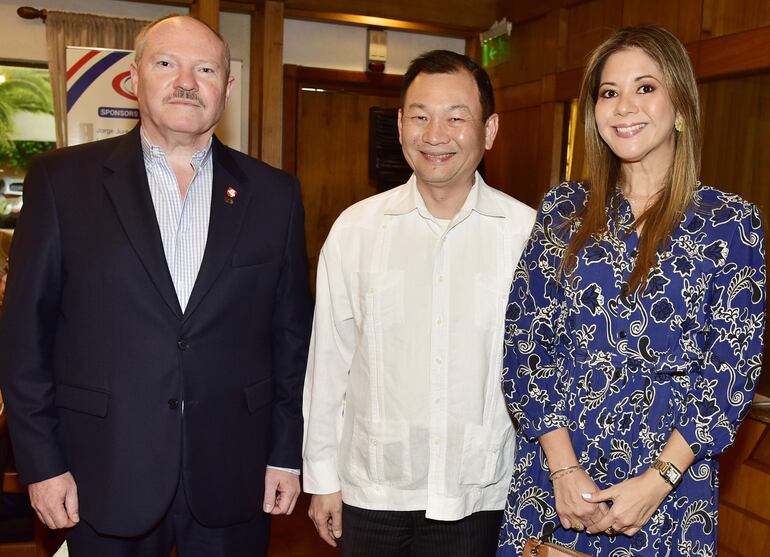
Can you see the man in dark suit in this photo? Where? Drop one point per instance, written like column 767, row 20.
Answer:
column 156, row 324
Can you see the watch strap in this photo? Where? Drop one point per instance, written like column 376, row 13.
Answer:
column 670, row 473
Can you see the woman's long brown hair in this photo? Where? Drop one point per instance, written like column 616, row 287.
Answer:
column 677, row 193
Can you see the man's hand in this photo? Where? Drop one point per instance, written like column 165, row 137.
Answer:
column 326, row 513
column 281, row 491
column 55, row 501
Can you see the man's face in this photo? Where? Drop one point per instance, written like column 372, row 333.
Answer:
column 181, row 80
column 441, row 129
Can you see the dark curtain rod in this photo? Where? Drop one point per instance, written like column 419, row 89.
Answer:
column 26, row 12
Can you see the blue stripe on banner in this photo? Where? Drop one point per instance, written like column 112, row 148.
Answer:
column 91, row 75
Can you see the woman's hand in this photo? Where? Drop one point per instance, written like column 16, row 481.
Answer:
column 574, row 510
column 633, row 503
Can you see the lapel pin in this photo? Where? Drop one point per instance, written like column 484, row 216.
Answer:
column 230, row 195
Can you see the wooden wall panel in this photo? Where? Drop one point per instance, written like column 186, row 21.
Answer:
column 509, row 165
column 744, row 515
column 662, row 12
column 690, row 19
column 519, row 96
column 529, row 55
column 736, row 124
column 723, row 17
column 523, row 10
column 588, row 24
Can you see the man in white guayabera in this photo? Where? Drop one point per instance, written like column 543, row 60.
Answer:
column 408, row 445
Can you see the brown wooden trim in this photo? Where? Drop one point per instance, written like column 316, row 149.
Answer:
column 344, row 80
column 290, row 108
column 271, row 141
column 552, row 144
column 230, row 6
column 178, row 3
column 473, row 49
column 255, row 82
column 739, row 53
column 524, row 12
column 207, row 11
column 233, row 6
column 382, row 22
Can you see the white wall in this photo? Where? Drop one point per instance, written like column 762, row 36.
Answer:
column 343, row 47
column 236, row 29
column 23, row 40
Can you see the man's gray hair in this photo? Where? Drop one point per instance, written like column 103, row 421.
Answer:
column 142, row 36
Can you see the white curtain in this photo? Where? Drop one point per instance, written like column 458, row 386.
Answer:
column 65, row 29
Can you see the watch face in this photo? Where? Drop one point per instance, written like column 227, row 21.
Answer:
column 673, row 474
column 669, row 472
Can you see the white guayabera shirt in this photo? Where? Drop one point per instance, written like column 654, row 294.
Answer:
column 403, row 406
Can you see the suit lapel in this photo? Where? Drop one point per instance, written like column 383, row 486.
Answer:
column 224, row 223
column 126, row 184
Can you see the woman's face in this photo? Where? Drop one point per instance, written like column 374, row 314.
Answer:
column 634, row 114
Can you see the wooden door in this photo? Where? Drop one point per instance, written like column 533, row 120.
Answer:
column 332, row 161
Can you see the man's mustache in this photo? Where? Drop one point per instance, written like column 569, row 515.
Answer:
column 186, row 95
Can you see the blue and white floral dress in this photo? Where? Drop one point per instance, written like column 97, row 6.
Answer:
column 621, row 370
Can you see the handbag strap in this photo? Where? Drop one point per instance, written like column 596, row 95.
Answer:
column 550, row 528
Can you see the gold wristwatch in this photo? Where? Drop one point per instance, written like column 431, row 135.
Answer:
column 667, row 471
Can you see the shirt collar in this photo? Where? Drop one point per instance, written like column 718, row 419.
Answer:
column 154, row 154
column 480, row 199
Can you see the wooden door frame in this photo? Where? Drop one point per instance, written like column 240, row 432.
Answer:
column 297, row 77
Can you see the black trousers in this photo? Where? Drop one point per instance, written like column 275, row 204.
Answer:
column 367, row 533
column 178, row 527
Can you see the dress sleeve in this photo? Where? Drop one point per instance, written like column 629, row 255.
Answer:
column 532, row 381
column 721, row 391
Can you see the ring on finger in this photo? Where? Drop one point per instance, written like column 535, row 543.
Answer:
column 612, row 531
column 578, row 527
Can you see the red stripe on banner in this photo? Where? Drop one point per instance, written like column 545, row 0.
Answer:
column 79, row 64
column 117, row 83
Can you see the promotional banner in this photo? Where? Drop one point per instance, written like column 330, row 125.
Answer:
column 101, row 101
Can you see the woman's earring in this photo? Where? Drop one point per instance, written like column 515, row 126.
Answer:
column 679, row 126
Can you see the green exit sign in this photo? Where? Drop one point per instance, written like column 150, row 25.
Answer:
column 495, row 51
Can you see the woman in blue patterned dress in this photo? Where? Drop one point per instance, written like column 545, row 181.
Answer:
column 634, row 328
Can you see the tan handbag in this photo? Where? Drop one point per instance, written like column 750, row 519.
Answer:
column 539, row 547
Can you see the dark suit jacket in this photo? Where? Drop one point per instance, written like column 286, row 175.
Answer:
column 96, row 352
